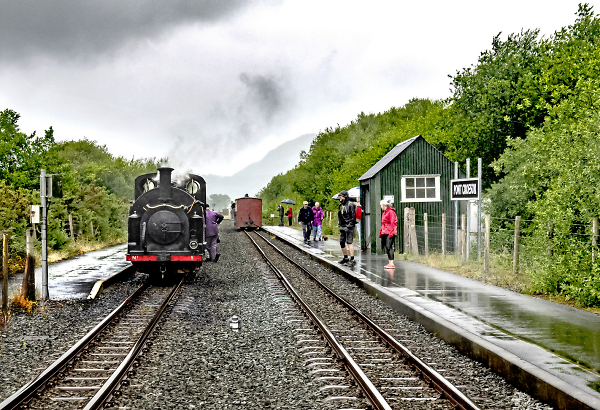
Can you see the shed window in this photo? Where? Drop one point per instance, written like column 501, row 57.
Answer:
column 420, row 188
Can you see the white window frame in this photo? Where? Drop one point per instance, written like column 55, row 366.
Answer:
column 437, row 188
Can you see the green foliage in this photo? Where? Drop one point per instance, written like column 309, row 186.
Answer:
column 338, row 157
column 96, row 186
column 530, row 109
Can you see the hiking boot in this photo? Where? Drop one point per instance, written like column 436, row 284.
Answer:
column 344, row 261
column 352, row 263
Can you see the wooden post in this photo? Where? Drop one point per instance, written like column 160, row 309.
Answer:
column 406, row 231
column 28, row 286
column 5, row 276
column 92, row 228
column 413, row 232
column 594, row 237
column 71, row 227
column 443, row 236
column 486, row 253
column 426, row 225
column 516, row 248
column 463, row 242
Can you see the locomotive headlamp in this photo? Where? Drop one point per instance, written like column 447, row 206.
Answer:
column 235, row 323
column 193, row 244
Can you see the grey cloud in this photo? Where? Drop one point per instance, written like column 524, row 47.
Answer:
column 79, row 29
column 264, row 92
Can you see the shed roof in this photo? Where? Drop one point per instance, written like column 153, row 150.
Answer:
column 387, row 158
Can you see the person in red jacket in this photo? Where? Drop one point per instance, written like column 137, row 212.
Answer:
column 388, row 230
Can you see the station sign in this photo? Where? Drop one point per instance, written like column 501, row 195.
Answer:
column 465, row 189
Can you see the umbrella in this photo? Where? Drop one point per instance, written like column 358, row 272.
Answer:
column 288, row 201
column 353, row 193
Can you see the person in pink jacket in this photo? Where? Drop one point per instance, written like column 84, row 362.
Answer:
column 388, row 231
column 317, row 221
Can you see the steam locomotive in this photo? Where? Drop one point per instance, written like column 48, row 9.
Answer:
column 166, row 224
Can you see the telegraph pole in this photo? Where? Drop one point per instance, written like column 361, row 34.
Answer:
column 43, row 186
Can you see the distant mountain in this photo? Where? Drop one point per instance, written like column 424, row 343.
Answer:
column 257, row 175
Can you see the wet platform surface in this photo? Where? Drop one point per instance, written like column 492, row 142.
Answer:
column 74, row 278
column 500, row 316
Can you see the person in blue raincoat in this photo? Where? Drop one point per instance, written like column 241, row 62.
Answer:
column 213, row 219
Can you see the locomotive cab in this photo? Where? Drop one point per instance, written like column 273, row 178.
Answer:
column 166, row 224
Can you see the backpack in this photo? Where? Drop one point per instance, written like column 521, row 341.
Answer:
column 358, row 212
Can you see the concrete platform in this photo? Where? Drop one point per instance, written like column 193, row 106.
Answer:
column 75, row 277
column 549, row 350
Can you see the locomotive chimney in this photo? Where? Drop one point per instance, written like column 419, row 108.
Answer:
column 164, row 187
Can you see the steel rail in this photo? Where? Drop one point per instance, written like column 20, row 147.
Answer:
column 102, row 397
column 370, row 391
column 437, row 381
column 28, row 392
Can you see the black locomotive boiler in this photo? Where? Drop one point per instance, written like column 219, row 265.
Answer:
column 166, row 224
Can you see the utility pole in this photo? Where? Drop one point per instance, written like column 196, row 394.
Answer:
column 43, row 186
column 468, row 212
column 479, row 170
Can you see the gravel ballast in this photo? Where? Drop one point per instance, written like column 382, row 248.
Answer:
column 197, row 361
column 30, row 343
column 486, row 389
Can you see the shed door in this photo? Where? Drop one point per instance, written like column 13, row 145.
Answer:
column 366, row 218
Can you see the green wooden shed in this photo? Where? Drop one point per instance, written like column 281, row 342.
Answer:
column 418, row 176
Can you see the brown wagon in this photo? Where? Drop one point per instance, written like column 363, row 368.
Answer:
column 248, row 213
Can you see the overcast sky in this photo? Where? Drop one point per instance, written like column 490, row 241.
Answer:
column 215, row 84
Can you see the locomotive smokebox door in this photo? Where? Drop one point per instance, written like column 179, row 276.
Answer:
column 164, row 227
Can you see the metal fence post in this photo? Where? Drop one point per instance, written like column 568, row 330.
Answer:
column 443, row 236
column 426, row 225
column 516, row 248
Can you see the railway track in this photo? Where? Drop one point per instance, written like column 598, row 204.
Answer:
column 370, row 368
column 91, row 374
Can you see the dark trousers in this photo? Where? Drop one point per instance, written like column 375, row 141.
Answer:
column 290, row 219
column 306, row 228
column 387, row 243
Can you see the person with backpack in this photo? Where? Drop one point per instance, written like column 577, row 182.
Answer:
column 346, row 222
column 388, row 230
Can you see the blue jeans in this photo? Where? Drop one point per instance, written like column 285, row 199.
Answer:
column 316, row 230
column 306, row 227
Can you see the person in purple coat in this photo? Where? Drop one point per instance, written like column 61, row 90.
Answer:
column 317, row 221
column 213, row 219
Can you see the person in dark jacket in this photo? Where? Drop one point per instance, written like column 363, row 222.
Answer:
column 346, row 222
column 213, row 219
column 305, row 217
